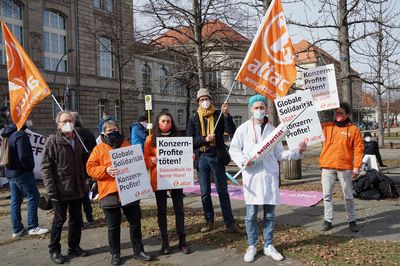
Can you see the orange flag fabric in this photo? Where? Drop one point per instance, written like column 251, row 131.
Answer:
column 270, row 66
column 26, row 85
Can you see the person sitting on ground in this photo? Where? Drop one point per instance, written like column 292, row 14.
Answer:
column 164, row 126
column 138, row 131
column 22, row 182
column 99, row 167
column 261, row 179
column 371, row 147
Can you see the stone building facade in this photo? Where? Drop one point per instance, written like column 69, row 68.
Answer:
column 100, row 33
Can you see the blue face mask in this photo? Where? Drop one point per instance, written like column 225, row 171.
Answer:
column 259, row 114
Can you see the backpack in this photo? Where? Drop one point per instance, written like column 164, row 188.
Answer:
column 5, row 158
column 387, row 188
column 367, row 186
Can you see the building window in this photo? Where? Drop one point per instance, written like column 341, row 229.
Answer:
column 106, row 57
column 117, row 108
column 107, row 5
column 179, row 88
column 97, row 3
column 180, row 116
column 163, row 80
column 146, row 78
column 236, row 68
column 101, row 106
column 213, row 79
column 238, row 120
column 11, row 13
column 55, row 40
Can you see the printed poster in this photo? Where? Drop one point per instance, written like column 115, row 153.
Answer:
column 298, row 113
column 175, row 163
column 133, row 181
column 321, row 81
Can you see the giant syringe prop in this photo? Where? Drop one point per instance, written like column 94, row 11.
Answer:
column 267, row 145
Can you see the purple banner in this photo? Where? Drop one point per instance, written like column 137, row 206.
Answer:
column 288, row 197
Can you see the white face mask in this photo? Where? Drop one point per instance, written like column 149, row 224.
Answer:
column 105, row 117
column 67, row 128
column 205, row 104
column 28, row 123
column 8, row 113
column 144, row 124
column 368, row 139
column 259, row 114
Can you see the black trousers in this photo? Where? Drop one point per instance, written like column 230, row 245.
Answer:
column 74, row 224
column 133, row 214
column 177, row 200
column 87, row 206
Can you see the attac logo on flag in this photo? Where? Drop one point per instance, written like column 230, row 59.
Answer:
column 26, row 85
column 269, row 67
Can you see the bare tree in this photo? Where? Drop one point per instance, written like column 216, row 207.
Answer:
column 378, row 51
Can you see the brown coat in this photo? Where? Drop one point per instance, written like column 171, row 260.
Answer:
column 62, row 168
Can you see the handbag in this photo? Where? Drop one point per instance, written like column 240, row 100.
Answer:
column 223, row 155
column 110, row 201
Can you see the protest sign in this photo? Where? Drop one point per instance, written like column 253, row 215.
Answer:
column 306, row 126
column 132, row 180
column 37, row 142
column 174, row 162
column 321, row 81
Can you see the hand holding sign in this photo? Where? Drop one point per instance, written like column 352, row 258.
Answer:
column 112, row 171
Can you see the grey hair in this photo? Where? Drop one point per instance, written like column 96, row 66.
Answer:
column 64, row 112
column 108, row 124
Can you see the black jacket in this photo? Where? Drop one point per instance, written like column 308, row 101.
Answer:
column 20, row 150
column 62, row 168
column 194, row 130
column 372, row 148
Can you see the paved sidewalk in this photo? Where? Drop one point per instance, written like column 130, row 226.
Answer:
column 379, row 220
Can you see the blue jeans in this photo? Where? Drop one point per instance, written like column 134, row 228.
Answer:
column 252, row 226
column 206, row 165
column 20, row 187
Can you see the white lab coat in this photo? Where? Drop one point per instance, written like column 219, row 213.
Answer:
column 260, row 180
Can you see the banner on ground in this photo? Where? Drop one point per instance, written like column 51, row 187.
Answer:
column 174, row 162
column 133, row 181
column 321, row 81
column 269, row 67
column 26, row 85
column 307, row 126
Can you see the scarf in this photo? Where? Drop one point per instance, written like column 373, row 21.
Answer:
column 343, row 123
column 209, row 114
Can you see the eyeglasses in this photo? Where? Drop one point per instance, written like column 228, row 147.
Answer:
column 65, row 121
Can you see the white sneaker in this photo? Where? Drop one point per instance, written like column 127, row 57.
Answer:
column 20, row 233
column 250, row 254
column 273, row 253
column 38, row 231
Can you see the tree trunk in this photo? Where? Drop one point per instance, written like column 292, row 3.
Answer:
column 197, row 28
column 378, row 87
column 344, row 50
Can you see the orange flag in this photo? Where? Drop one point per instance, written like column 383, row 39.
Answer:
column 26, row 85
column 270, row 67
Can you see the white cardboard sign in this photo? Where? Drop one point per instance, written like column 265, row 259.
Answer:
column 174, row 162
column 307, row 126
column 148, row 102
column 321, row 81
column 133, row 181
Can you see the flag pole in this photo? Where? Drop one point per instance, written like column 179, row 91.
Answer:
column 226, row 101
column 77, row 134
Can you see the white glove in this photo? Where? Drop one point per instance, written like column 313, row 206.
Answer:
column 149, row 126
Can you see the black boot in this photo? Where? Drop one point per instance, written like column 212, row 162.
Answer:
column 183, row 246
column 165, row 246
